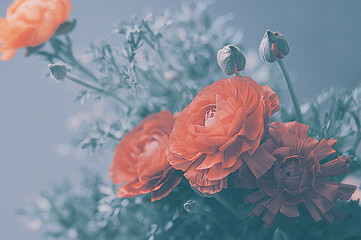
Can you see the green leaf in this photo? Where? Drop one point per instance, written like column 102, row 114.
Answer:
column 66, row 27
column 32, row 50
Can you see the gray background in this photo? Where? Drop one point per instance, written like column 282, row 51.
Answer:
column 324, row 37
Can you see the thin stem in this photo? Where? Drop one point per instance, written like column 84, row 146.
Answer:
column 217, row 223
column 291, row 91
column 358, row 133
column 77, row 65
column 80, row 67
column 85, row 71
column 356, row 142
column 227, row 205
column 102, row 91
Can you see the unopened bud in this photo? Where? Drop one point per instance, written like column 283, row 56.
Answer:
column 58, row 70
column 231, row 60
column 191, row 206
column 273, row 46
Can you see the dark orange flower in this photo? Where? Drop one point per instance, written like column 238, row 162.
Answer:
column 140, row 159
column 298, row 175
column 225, row 120
column 29, row 23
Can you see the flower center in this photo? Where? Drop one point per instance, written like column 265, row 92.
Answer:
column 151, row 147
column 209, row 116
column 292, row 173
column 290, row 167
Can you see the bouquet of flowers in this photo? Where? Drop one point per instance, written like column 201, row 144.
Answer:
column 197, row 155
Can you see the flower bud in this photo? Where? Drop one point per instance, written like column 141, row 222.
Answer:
column 273, row 46
column 58, row 70
column 231, row 59
column 191, row 206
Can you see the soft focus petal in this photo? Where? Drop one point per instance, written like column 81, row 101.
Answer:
column 141, row 159
column 29, row 23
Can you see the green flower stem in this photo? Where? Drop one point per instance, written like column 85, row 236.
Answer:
column 291, row 91
column 99, row 90
column 227, row 205
column 72, row 62
column 356, row 142
column 69, row 54
column 217, row 223
column 357, row 139
column 84, row 70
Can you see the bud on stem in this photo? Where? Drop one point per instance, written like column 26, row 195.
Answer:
column 231, row 60
column 273, row 46
column 59, row 71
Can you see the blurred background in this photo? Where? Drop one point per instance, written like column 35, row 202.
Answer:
column 324, row 38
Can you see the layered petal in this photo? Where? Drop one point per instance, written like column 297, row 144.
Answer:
column 29, row 23
column 140, row 159
column 297, row 175
column 224, row 121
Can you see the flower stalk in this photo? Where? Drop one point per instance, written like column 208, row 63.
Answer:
column 358, row 134
column 356, row 143
column 291, row 91
column 60, row 72
column 227, row 205
column 76, row 80
column 193, row 206
column 217, row 224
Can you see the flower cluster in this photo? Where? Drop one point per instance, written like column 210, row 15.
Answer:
column 225, row 129
column 222, row 139
column 211, row 138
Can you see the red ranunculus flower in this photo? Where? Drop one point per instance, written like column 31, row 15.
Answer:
column 298, row 175
column 140, row 159
column 29, row 23
column 224, row 121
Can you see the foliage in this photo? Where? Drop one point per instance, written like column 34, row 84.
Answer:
column 160, row 63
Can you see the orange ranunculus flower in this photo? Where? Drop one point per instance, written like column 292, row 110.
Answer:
column 29, row 23
column 299, row 175
column 140, row 159
column 224, row 123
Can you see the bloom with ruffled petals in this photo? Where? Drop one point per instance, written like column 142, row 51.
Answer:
column 224, row 121
column 299, row 175
column 29, row 23
column 140, row 159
